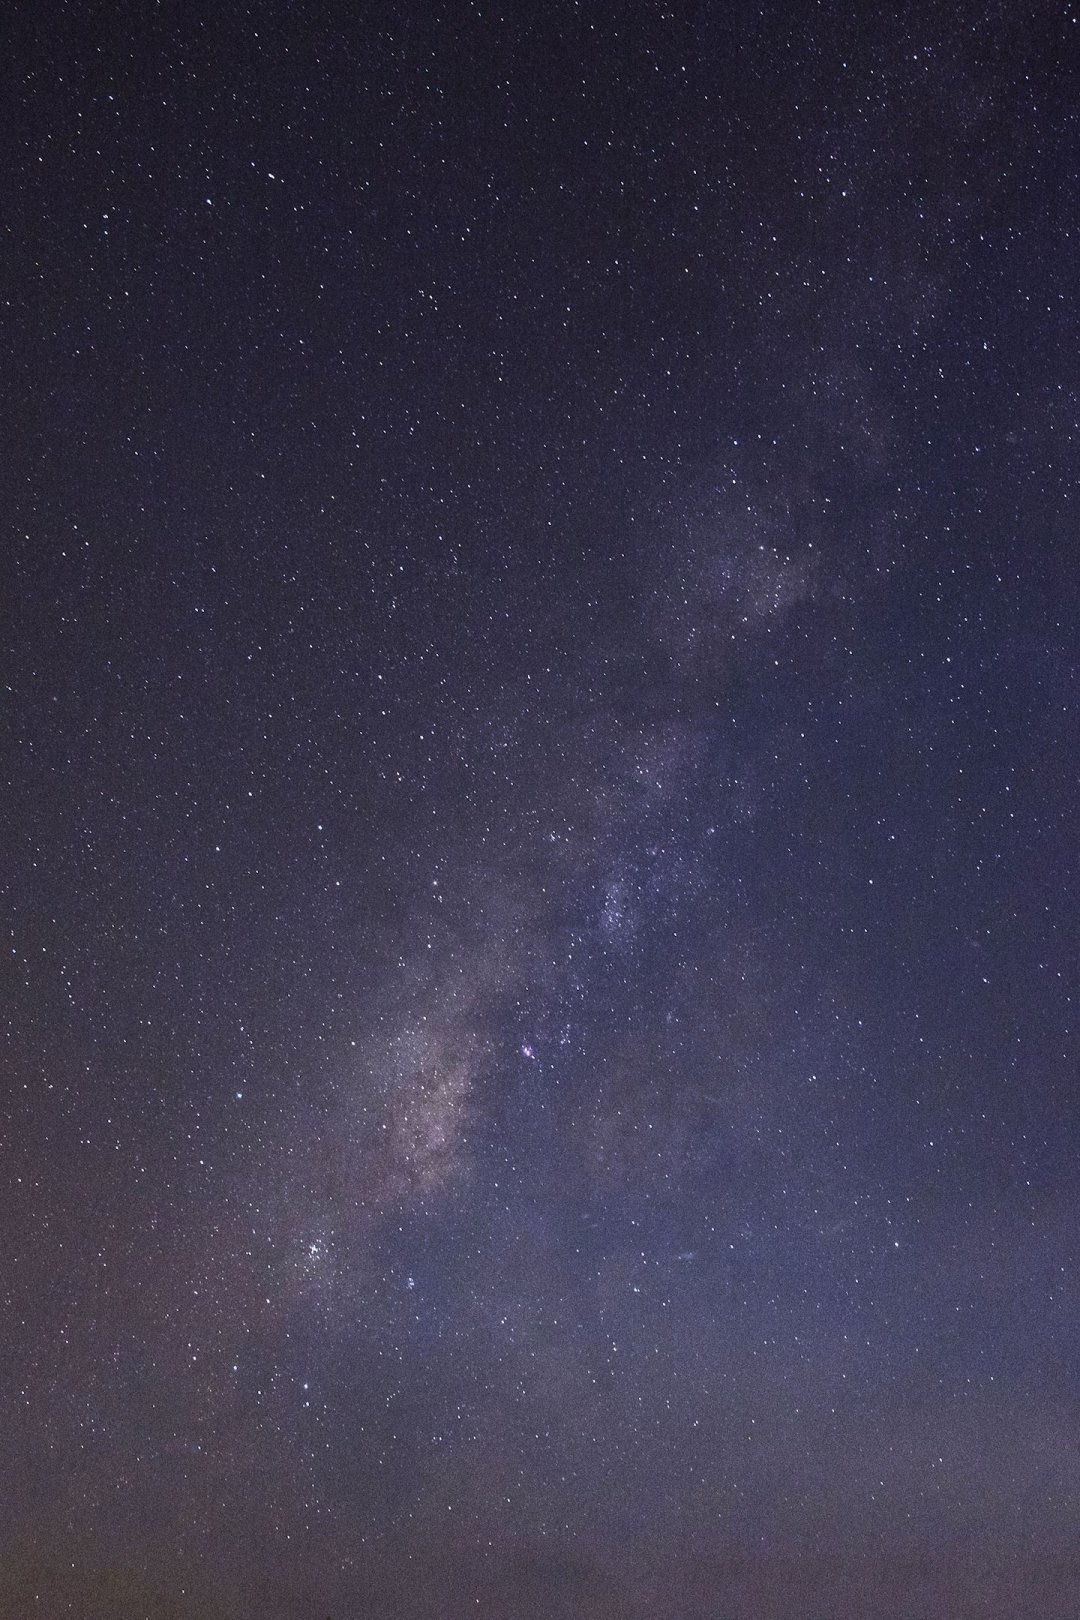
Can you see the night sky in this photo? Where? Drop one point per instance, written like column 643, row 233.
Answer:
column 540, row 622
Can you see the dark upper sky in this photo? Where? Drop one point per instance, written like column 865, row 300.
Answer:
column 540, row 812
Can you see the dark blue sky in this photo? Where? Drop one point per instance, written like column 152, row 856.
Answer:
column 540, row 799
